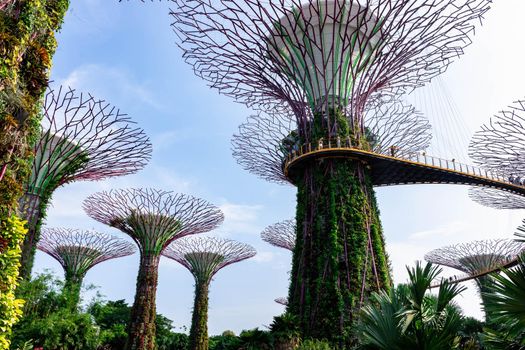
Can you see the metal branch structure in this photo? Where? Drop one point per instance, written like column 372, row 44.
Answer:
column 500, row 144
column 81, row 138
column 281, row 234
column 282, row 301
column 264, row 141
column 204, row 257
column 78, row 251
column 325, row 63
column 153, row 219
column 478, row 258
column 497, row 199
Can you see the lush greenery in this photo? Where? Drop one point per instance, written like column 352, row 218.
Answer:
column 12, row 235
column 50, row 322
column 409, row 318
column 27, row 44
column 340, row 233
column 505, row 309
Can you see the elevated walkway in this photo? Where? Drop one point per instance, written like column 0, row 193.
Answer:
column 393, row 169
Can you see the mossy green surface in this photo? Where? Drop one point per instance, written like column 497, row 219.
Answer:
column 339, row 257
column 27, row 44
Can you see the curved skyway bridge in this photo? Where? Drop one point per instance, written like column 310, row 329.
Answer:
column 399, row 168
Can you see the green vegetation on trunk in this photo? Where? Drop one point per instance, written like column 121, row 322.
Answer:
column 141, row 332
column 339, row 257
column 199, row 322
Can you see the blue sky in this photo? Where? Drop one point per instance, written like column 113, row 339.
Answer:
column 126, row 53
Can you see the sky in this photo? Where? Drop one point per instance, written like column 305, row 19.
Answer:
column 126, row 53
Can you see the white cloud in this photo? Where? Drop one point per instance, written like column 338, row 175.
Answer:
column 264, row 257
column 105, row 82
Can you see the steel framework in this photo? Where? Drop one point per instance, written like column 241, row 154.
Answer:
column 281, row 234
column 81, row 139
column 316, row 67
column 153, row 219
column 204, row 257
column 500, row 144
column 264, row 141
column 497, row 199
column 478, row 259
column 322, row 54
column 79, row 250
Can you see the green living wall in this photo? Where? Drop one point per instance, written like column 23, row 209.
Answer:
column 339, row 257
column 27, row 44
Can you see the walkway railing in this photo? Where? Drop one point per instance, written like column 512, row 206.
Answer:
column 397, row 153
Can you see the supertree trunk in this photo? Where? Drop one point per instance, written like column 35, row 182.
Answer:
column 199, row 323
column 141, row 334
column 72, row 286
column 339, row 259
column 30, row 208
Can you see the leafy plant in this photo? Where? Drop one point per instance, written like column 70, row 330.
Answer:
column 409, row 318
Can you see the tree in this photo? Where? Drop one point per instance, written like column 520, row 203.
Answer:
column 153, row 219
column 49, row 322
column 506, row 309
column 409, row 318
column 204, row 257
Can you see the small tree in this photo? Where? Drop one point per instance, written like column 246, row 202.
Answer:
column 153, row 219
column 78, row 251
column 204, row 257
column 409, row 318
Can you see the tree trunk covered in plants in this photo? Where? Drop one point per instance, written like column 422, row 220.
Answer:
column 339, row 257
column 72, row 286
column 141, row 333
column 199, row 322
column 484, row 286
column 27, row 44
column 32, row 208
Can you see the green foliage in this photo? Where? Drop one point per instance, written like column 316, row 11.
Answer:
column 112, row 317
column 506, row 310
column 227, row 341
column 336, row 207
column 49, row 322
column 27, row 44
column 409, row 318
column 314, row 345
column 12, row 233
column 255, row 339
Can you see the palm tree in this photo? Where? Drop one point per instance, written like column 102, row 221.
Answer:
column 505, row 305
column 409, row 318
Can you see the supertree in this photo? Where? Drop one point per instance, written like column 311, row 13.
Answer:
column 497, row 199
column 204, row 257
column 153, row 219
column 498, row 148
column 282, row 301
column 325, row 62
column 264, row 141
column 477, row 259
column 281, row 234
column 78, row 251
column 81, row 139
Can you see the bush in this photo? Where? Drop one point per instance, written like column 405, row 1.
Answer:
column 314, row 345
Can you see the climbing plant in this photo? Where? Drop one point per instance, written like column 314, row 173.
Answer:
column 13, row 232
column 27, row 44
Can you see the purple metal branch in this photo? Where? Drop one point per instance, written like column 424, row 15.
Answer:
column 281, row 234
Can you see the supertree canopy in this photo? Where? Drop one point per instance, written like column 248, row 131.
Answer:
column 498, row 147
column 264, row 141
column 326, row 63
column 281, row 234
column 78, row 251
column 204, row 257
column 81, row 139
column 153, row 219
column 497, row 199
column 478, row 258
